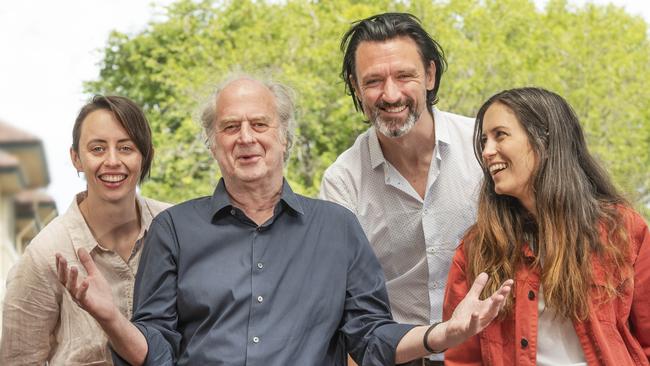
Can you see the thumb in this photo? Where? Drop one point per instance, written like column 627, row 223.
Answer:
column 478, row 285
column 87, row 261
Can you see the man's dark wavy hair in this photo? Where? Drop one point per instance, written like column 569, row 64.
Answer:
column 387, row 26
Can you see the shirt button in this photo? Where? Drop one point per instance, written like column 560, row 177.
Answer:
column 256, row 339
column 259, row 228
column 260, row 265
column 434, row 285
column 232, row 212
column 524, row 342
column 531, row 295
column 260, row 299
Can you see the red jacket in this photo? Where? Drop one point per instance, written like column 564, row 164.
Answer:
column 615, row 333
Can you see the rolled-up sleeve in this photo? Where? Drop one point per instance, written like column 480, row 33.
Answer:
column 370, row 333
column 155, row 292
column 30, row 311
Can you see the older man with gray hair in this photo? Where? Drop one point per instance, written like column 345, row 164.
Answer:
column 258, row 275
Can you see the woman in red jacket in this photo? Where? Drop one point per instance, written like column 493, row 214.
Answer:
column 550, row 217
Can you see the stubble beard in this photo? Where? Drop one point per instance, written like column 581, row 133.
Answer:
column 391, row 128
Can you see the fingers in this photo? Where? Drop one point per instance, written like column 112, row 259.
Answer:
column 61, row 269
column 69, row 276
column 87, row 261
column 500, row 295
column 74, row 273
column 481, row 280
column 478, row 285
column 74, row 283
column 71, row 284
column 474, row 323
column 81, row 294
column 506, row 287
column 504, row 290
column 498, row 299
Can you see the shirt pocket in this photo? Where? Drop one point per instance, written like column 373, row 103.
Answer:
column 82, row 340
column 94, row 354
column 611, row 309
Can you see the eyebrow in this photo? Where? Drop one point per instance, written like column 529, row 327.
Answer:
column 106, row 141
column 237, row 119
column 498, row 127
column 397, row 71
column 371, row 75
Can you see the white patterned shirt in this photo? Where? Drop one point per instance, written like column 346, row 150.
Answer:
column 413, row 238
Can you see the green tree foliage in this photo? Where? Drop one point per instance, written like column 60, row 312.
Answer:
column 598, row 57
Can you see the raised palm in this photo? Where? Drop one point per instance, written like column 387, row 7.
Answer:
column 92, row 293
column 472, row 315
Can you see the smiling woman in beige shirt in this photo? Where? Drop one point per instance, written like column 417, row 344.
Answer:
column 41, row 322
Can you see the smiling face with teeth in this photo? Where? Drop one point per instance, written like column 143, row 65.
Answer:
column 107, row 156
column 508, row 154
column 391, row 82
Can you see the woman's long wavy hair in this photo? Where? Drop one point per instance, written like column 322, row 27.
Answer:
column 574, row 201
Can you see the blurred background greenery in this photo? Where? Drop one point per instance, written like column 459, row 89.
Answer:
column 598, row 57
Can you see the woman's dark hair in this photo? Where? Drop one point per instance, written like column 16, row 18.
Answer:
column 130, row 116
column 575, row 203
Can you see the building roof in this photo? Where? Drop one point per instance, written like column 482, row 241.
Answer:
column 10, row 134
column 28, row 150
column 7, row 160
column 34, row 195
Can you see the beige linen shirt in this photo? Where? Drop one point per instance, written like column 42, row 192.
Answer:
column 41, row 322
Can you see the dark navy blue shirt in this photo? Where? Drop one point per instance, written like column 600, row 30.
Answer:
column 304, row 288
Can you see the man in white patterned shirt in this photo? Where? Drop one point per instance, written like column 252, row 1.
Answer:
column 411, row 178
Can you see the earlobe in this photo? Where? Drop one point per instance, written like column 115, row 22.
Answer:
column 213, row 150
column 355, row 91
column 76, row 162
column 431, row 76
column 355, row 86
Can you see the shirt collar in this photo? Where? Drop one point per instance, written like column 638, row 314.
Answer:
column 376, row 155
column 220, row 199
column 79, row 230
column 290, row 198
column 442, row 138
column 442, row 127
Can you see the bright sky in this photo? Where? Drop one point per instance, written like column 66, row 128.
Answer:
column 48, row 48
